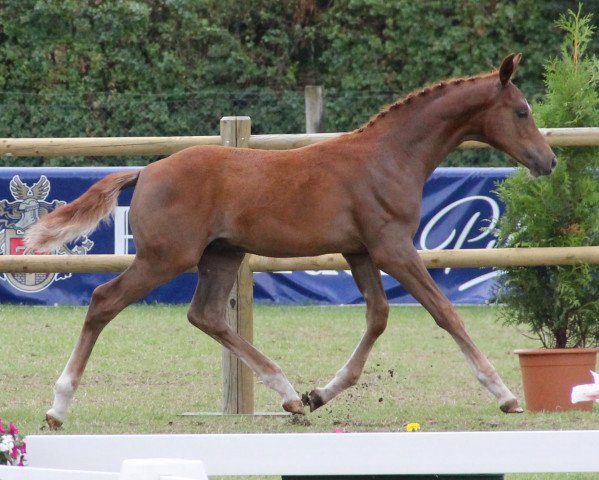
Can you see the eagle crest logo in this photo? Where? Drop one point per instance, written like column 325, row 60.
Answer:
column 16, row 217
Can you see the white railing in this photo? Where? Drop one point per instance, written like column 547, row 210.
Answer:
column 322, row 454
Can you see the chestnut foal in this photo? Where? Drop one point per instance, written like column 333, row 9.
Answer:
column 358, row 194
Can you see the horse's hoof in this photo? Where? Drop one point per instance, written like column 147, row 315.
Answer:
column 294, row 406
column 511, row 406
column 315, row 400
column 53, row 423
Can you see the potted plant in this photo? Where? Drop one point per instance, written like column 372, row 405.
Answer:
column 557, row 304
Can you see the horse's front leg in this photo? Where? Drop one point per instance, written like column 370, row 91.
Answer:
column 368, row 280
column 401, row 260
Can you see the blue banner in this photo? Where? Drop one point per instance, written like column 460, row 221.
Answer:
column 459, row 211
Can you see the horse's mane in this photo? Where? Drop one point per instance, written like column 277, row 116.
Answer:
column 408, row 99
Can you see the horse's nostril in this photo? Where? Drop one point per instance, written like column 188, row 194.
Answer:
column 553, row 163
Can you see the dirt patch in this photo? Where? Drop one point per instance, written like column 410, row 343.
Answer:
column 299, row 420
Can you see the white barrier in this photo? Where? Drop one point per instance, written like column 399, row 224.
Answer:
column 330, row 453
column 131, row 469
column 30, row 473
column 162, row 469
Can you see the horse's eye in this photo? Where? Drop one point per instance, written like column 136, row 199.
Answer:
column 522, row 113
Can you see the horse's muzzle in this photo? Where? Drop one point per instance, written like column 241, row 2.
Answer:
column 543, row 168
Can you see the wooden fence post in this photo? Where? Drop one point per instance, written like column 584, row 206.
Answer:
column 314, row 105
column 238, row 379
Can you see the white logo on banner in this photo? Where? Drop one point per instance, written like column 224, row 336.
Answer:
column 122, row 235
column 30, row 203
column 471, row 232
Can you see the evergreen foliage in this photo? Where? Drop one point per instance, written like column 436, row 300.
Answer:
column 560, row 304
column 174, row 67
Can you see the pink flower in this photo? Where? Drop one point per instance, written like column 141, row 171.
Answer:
column 21, row 463
column 14, row 453
column 2, row 427
column 13, row 430
column 23, row 448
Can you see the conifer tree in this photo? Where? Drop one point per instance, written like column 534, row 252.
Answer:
column 558, row 304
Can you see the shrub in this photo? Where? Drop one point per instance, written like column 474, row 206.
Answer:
column 558, row 304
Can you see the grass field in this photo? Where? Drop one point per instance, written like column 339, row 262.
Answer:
column 150, row 365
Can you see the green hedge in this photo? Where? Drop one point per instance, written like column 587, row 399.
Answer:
column 174, row 67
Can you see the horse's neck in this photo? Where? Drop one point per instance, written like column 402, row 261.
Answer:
column 427, row 128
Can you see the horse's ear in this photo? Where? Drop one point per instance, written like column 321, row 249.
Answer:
column 508, row 67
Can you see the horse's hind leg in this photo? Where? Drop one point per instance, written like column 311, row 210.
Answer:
column 368, row 279
column 106, row 302
column 218, row 272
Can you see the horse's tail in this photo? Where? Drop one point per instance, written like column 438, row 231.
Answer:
column 81, row 216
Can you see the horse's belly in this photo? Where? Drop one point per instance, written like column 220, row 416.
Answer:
column 286, row 251
column 293, row 240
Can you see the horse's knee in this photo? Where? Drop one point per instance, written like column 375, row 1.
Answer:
column 448, row 319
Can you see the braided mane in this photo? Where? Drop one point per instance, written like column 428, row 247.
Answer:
column 408, row 99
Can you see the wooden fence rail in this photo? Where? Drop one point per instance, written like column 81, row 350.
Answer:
column 480, row 258
column 236, row 132
column 124, row 146
column 100, row 146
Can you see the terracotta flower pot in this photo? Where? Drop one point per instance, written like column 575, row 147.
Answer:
column 548, row 376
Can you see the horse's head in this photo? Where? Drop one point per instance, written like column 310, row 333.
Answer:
column 508, row 124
